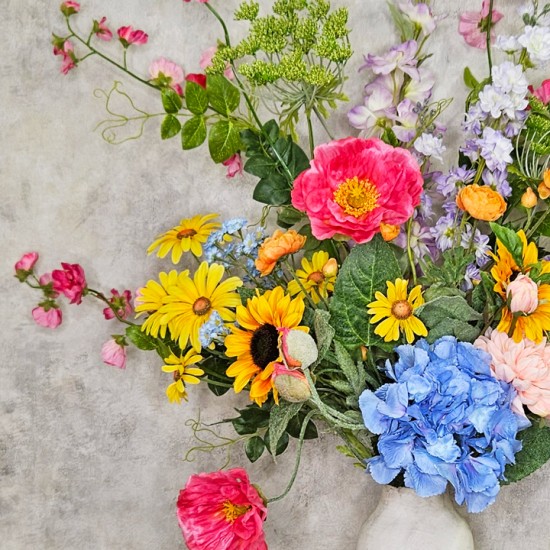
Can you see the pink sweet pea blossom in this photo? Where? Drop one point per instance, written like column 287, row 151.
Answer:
column 234, row 165
column 127, row 35
column 27, row 261
column 542, row 93
column 222, row 510
column 70, row 281
column 197, row 78
column 67, row 53
column 113, row 353
column 102, row 31
column 69, row 7
column 49, row 316
column 46, row 280
column 525, row 365
column 206, row 61
column 473, row 26
column 121, row 302
column 167, row 73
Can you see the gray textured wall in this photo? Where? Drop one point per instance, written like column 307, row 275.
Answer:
column 92, row 457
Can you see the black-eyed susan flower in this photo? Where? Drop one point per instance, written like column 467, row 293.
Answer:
column 397, row 310
column 149, row 299
column 255, row 342
column 184, row 373
column 313, row 277
column 190, row 303
column 189, row 235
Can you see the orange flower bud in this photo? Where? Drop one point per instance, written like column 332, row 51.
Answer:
column 277, row 246
column 546, row 178
column 544, row 191
column 529, row 199
column 330, row 269
column 388, row 231
column 481, row 202
column 364, row 352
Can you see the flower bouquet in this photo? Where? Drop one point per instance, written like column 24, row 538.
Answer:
column 403, row 308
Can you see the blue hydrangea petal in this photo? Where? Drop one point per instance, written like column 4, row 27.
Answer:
column 396, row 449
column 380, row 472
column 374, row 421
column 444, row 448
column 395, row 404
column 425, row 485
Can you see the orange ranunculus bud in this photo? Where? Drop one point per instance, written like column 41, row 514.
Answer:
column 544, row 186
column 388, row 231
column 330, row 269
column 275, row 247
column 529, row 199
column 546, row 178
column 481, row 202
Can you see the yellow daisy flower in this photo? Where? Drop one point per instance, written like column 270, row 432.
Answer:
column 150, row 298
column 313, row 278
column 397, row 310
column 255, row 343
column 184, row 373
column 187, row 236
column 190, row 302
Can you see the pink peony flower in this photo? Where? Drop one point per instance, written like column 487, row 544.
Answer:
column 69, row 7
column 67, row 53
column 523, row 295
column 101, row 30
column 49, row 316
column 525, row 365
column 70, row 281
column 473, row 26
column 543, row 92
column 197, row 78
column 127, row 35
column 166, row 73
column 206, row 61
column 222, row 510
column 27, row 261
column 121, row 302
column 353, row 185
column 234, row 165
column 114, row 354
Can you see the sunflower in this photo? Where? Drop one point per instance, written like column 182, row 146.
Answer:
column 184, row 373
column 187, row 236
column 313, row 278
column 190, row 302
column 149, row 299
column 397, row 310
column 256, row 343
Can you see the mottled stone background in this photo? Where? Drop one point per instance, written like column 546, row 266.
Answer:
column 92, row 457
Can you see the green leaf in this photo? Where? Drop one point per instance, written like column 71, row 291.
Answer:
column 282, row 444
column 324, row 332
column 364, row 272
column 511, row 241
column 140, row 339
column 223, row 140
column 245, row 293
column 273, row 190
column 196, row 99
column 354, row 372
column 295, row 426
column 544, row 228
column 535, row 452
column 254, row 448
column 170, row 127
column 193, row 133
column 222, row 95
column 279, row 418
column 449, row 315
column 171, row 101
column 260, row 166
column 469, row 79
column 289, row 216
column 389, row 137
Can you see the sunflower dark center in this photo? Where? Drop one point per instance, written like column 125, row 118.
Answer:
column 264, row 346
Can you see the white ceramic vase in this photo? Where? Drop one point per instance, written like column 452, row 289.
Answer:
column 404, row 521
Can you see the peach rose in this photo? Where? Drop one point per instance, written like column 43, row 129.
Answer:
column 277, row 246
column 481, row 202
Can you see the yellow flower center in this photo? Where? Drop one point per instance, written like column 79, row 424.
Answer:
column 401, row 310
column 357, row 197
column 317, row 277
column 233, row 511
column 202, row 306
column 186, row 234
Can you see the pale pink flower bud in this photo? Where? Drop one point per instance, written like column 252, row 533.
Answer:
column 299, row 348
column 523, row 295
column 69, row 8
column 49, row 316
column 127, row 35
column 102, row 31
column 27, row 261
column 291, row 384
column 167, row 73
column 114, row 354
column 234, row 165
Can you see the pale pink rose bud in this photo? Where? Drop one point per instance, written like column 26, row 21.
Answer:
column 299, row 348
column 291, row 384
column 49, row 316
column 523, row 295
column 24, row 266
column 114, row 354
column 234, row 165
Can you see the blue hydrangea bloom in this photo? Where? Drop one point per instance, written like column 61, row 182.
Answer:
column 445, row 419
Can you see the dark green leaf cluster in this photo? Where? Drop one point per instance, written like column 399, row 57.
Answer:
column 450, row 272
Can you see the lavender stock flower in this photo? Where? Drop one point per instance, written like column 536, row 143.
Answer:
column 399, row 57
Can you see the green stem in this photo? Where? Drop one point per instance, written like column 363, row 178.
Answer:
column 323, row 123
column 410, row 252
column 488, row 38
column 302, row 288
column 101, row 296
column 310, row 135
column 216, row 383
column 539, row 222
